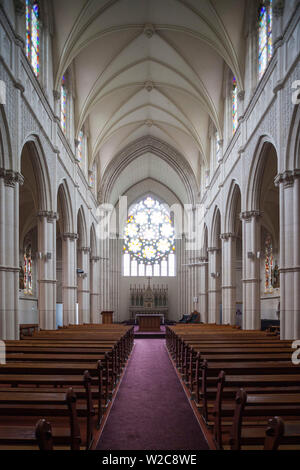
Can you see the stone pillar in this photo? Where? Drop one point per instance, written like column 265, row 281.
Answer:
column 94, row 288
column 214, row 285
column 184, row 275
column 105, row 275
column 179, row 280
column 203, row 288
column 47, row 270
column 9, row 253
column 69, row 278
column 251, row 269
column 228, row 277
column 114, row 256
column 289, row 183
column 101, row 294
column 83, row 289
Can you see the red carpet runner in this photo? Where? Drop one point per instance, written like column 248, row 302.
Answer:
column 151, row 410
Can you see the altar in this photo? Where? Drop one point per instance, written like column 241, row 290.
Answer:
column 148, row 301
column 149, row 322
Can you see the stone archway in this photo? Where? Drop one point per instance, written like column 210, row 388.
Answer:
column 37, row 239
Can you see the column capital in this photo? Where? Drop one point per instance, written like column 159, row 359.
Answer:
column 51, row 216
column 226, row 236
column 11, row 177
column 95, row 258
column 213, row 249
column 70, row 236
column 248, row 215
column 287, row 178
column 84, row 249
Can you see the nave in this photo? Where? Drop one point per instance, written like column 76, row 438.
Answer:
column 151, row 410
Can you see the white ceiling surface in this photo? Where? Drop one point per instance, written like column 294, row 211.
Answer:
column 145, row 167
column 113, row 61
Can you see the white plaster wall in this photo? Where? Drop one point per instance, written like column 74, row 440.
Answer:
column 269, row 306
column 28, row 312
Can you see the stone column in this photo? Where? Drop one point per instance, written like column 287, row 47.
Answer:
column 101, row 294
column 203, row 288
column 47, row 270
column 184, row 275
column 69, row 278
column 214, row 285
column 179, row 279
column 251, row 269
column 83, row 289
column 228, row 277
column 9, row 253
column 105, row 275
column 289, row 184
column 115, row 250
column 94, row 288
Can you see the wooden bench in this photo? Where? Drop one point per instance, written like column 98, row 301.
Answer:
column 257, row 361
column 26, row 404
column 48, row 362
column 258, row 405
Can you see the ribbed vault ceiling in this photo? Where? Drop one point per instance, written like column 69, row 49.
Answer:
column 148, row 68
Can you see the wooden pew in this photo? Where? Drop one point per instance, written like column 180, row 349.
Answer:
column 280, row 433
column 258, row 361
column 43, row 434
column 25, row 404
column 50, row 359
column 258, row 406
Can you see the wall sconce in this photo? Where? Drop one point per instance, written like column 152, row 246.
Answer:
column 258, row 255
column 250, row 255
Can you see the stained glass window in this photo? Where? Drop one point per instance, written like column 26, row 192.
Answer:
column 268, row 264
column 33, row 35
column 28, row 271
column 234, row 105
column 141, row 269
column 149, row 239
column 92, row 177
column 63, row 105
column 265, row 46
column 80, row 146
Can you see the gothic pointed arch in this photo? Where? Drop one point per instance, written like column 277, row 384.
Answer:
column 159, row 148
column 93, row 241
column 65, row 207
column 215, row 228
column 5, row 142
column 82, row 228
column 265, row 143
column 41, row 172
column 231, row 207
